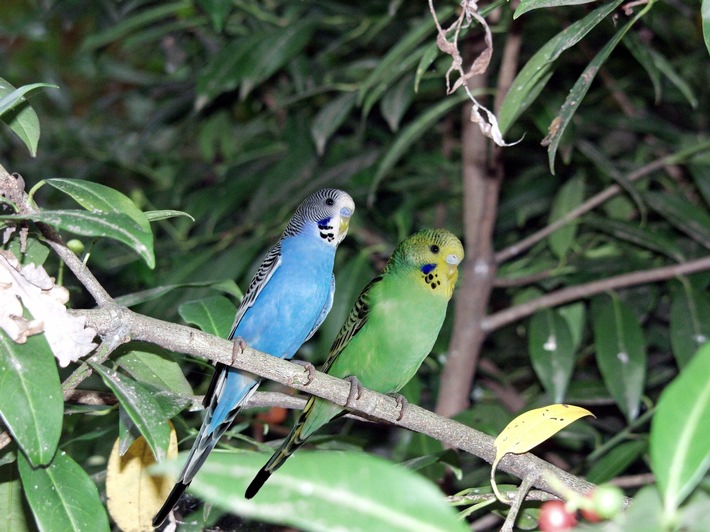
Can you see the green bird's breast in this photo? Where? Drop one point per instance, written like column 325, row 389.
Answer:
column 404, row 322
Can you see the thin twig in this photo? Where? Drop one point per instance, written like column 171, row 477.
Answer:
column 596, row 200
column 574, row 293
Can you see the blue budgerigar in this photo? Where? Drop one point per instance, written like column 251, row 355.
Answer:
column 287, row 300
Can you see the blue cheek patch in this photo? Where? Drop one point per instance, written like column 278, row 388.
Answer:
column 324, row 223
column 428, row 268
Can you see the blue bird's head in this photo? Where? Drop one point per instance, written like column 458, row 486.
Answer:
column 325, row 213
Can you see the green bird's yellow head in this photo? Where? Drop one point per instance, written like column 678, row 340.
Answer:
column 433, row 256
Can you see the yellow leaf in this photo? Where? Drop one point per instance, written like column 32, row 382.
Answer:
column 133, row 495
column 531, row 428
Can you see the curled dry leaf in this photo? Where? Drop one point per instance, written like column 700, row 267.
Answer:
column 486, row 120
column 31, row 287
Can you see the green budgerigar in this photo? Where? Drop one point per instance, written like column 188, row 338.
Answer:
column 390, row 330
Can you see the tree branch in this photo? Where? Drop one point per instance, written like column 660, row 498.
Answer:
column 374, row 405
column 573, row 293
column 593, row 202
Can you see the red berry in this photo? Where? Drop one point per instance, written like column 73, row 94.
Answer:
column 554, row 517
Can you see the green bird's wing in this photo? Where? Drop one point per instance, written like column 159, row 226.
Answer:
column 357, row 319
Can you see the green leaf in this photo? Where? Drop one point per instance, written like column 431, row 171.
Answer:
column 402, row 52
column 95, row 197
column 62, row 496
column 12, row 506
column 705, row 13
column 654, row 240
column 213, row 315
column 330, row 118
column 16, row 112
column 354, row 487
column 218, row 10
column 533, row 77
column 118, row 226
column 409, row 135
column 687, row 217
column 154, row 216
column 31, row 402
column 396, row 102
column 158, row 369
column 529, row 5
column 620, row 352
column 640, row 50
column 141, row 407
column 616, row 461
column 581, row 86
column 680, row 453
column 428, row 57
column 551, row 352
column 142, row 19
column 10, row 98
column 689, row 324
column 567, row 199
column 253, row 59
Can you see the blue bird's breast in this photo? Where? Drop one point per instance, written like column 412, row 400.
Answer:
column 289, row 305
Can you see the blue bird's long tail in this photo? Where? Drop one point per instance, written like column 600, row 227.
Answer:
column 228, row 391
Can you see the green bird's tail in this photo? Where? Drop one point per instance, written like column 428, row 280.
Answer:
column 293, row 441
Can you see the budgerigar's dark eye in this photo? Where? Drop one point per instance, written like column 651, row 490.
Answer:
column 434, row 248
column 330, row 202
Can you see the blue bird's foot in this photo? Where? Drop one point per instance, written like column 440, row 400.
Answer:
column 401, row 403
column 238, row 347
column 310, row 369
column 355, row 391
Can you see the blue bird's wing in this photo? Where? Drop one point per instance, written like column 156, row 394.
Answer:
column 326, row 309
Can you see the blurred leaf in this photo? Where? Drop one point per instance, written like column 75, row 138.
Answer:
column 570, row 195
column 16, row 112
column 330, row 118
column 689, row 218
column 31, row 402
column 669, row 71
column 428, row 57
column 529, row 5
column 689, row 321
column 642, row 515
column 620, row 352
column 640, row 50
column 354, row 487
column 252, row 59
column 409, row 135
column 580, row 88
column 129, row 300
column 389, row 67
column 218, row 10
column 142, row 19
column 118, row 226
column 62, row 496
column 534, row 75
column 551, row 351
column 705, row 13
column 157, row 369
column 132, row 494
column 213, row 315
column 700, row 173
column 616, row 461
column 396, row 102
column 575, row 316
column 680, row 453
column 631, row 232
column 142, row 408
column 12, row 506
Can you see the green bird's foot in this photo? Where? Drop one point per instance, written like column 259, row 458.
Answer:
column 310, row 369
column 401, row 403
column 238, row 347
column 355, row 391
